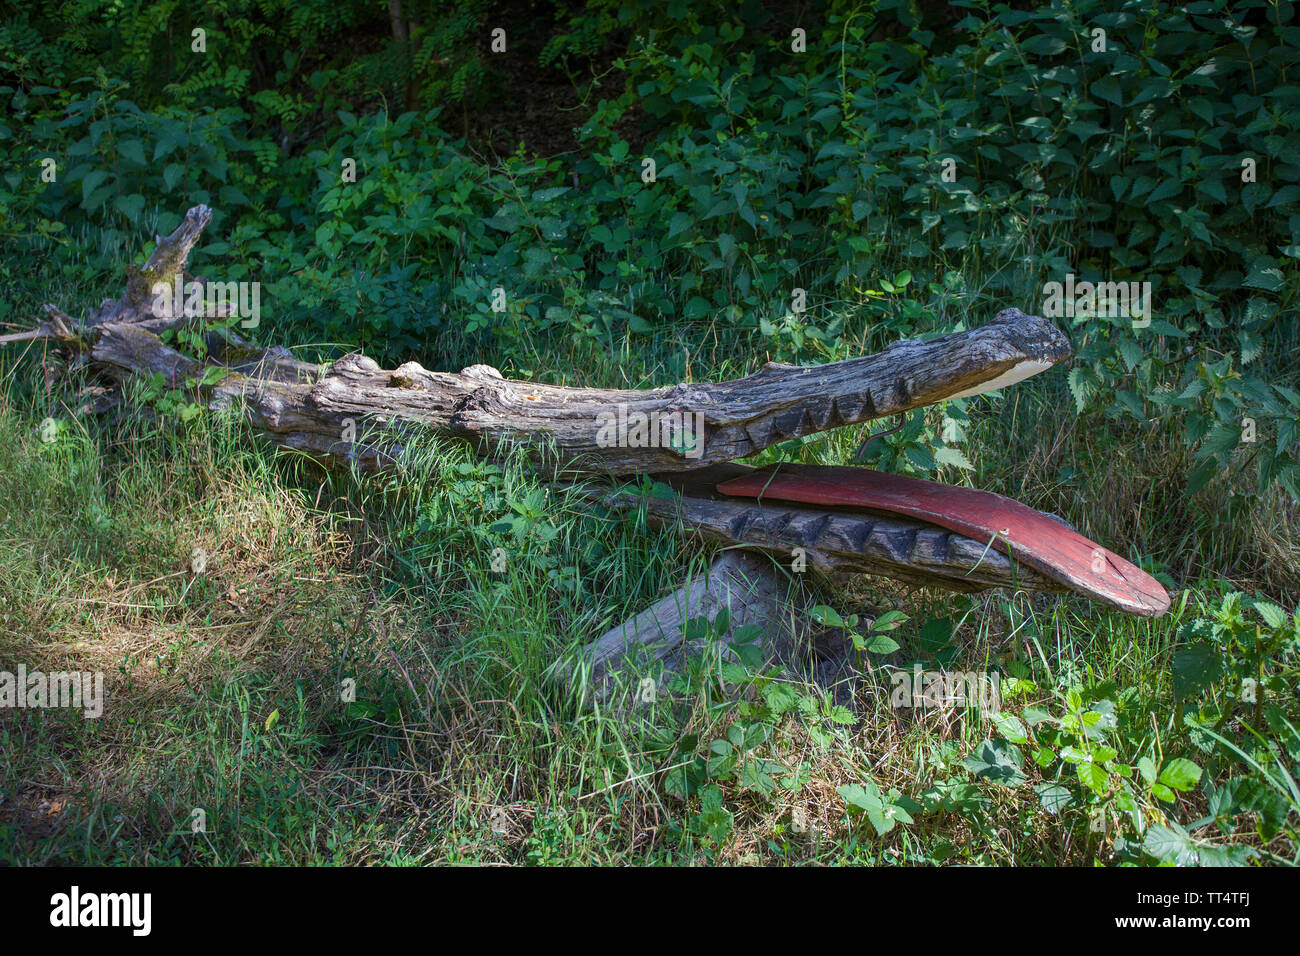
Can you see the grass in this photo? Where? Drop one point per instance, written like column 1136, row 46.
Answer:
column 234, row 599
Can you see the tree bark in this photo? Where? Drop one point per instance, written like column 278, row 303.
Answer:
column 316, row 409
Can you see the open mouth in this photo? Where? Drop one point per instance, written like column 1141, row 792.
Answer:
column 840, row 519
column 847, row 518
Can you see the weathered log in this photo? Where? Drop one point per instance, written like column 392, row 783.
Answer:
column 316, row 409
column 596, row 431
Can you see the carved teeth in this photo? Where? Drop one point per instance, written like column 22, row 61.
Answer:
column 868, row 404
column 764, row 428
column 787, row 423
column 833, row 417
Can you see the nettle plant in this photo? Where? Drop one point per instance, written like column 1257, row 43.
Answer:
column 876, row 640
column 1235, row 676
column 1093, row 759
column 113, row 161
column 1095, row 754
column 1240, row 661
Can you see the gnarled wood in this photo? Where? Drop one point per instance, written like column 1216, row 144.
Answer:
column 574, row 429
column 312, row 408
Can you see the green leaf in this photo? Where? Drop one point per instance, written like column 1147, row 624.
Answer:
column 1129, row 351
column 714, row 820
column 130, row 206
column 1251, row 345
column 1131, row 402
column 1286, row 196
column 1170, row 845
column 1195, row 668
column 1054, row 797
column 697, row 307
column 862, row 796
column 1180, row 774
column 823, row 614
column 879, row 644
column 1166, row 190
column 213, row 374
column 827, row 116
column 1214, row 189
column 883, row 818
column 1079, row 388
column 948, row 455
column 230, row 196
column 1201, row 475
column 1043, row 45
column 1273, row 615
column 1108, row 89
column 1266, row 277
column 1147, row 767
column 546, row 195
column 1092, row 776
column 889, row 621
column 754, row 776
column 884, row 813
column 1223, row 438
column 172, row 174
column 131, row 150
column 92, row 180
column 839, row 714
column 1011, row 728
column 998, row 762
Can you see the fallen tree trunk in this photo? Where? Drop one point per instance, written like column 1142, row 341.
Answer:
column 318, row 409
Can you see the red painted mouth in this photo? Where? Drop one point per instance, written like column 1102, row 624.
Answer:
column 1013, row 528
